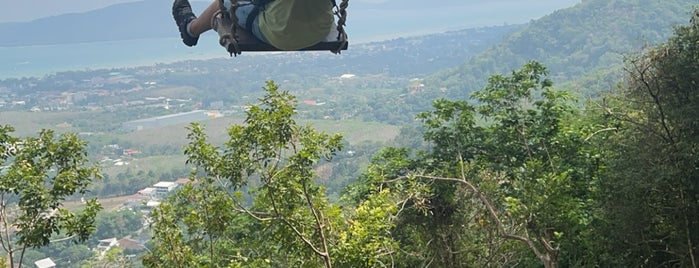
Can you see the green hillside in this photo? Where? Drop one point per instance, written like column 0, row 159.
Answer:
column 583, row 46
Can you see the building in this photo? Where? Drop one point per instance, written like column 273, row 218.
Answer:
column 105, row 245
column 150, row 205
column 147, row 193
column 45, row 263
column 183, row 181
column 163, row 188
column 131, row 244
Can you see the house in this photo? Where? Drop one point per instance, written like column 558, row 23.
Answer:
column 131, row 152
column 45, row 263
column 163, row 188
column 105, row 245
column 149, row 206
column 183, row 181
column 130, row 244
column 147, row 193
column 152, row 204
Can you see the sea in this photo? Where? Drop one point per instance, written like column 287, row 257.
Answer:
column 367, row 26
column 39, row 61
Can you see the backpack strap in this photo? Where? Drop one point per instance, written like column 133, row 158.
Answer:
column 258, row 5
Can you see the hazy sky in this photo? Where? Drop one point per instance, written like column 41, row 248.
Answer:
column 26, row 10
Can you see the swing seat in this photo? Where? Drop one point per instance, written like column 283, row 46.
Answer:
column 248, row 42
column 239, row 40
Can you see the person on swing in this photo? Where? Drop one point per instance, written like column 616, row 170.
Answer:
column 284, row 24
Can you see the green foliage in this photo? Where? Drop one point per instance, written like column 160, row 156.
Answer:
column 496, row 179
column 518, row 177
column 651, row 196
column 256, row 201
column 367, row 235
column 114, row 257
column 37, row 175
column 119, row 223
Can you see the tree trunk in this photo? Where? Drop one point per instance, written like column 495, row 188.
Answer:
column 551, row 260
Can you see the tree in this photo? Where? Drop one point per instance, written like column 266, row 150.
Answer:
column 256, row 201
column 113, row 258
column 651, row 196
column 117, row 223
column 518, row 157
column 37, row 175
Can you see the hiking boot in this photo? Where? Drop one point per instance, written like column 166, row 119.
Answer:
column 182, row 12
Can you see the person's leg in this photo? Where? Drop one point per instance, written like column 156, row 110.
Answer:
column 183, row 15
column 189, row 25
column 203, row 23
column 242, row 13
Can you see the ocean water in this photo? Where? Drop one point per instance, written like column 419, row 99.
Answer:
column 38, row 61
column 365, row 25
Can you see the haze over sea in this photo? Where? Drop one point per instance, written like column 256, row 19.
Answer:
column 47, row 59
column 365, row 25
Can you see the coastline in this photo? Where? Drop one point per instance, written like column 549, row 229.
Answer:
column 39, row 61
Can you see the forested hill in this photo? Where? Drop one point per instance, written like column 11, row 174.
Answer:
column 582, row 46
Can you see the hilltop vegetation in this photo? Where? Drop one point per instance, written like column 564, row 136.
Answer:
column 583, row 46
column 539, row 182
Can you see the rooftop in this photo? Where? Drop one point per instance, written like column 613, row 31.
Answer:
column 165, row 184
column 45, row 263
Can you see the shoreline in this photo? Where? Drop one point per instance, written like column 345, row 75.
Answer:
column 44, row 60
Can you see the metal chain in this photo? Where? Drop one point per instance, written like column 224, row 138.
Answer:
column 225, row 17
column 341, row 14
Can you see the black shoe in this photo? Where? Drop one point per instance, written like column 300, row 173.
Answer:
column 182, row 12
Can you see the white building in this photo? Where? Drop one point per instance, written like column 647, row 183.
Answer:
column 163, row 188
column 45, row 263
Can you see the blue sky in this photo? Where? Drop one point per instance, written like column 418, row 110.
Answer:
column 26, row 10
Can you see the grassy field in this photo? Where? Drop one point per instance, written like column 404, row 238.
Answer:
column 352, row 131
column 356, row 131
column 156, row 164
column 174, row 137
column 30, row 123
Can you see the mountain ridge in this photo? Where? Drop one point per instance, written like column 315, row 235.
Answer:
column 583, row 46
